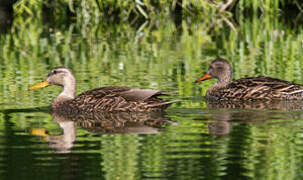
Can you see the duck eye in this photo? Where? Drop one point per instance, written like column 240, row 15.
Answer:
column 54, row 72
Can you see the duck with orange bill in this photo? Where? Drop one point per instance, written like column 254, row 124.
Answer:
column 251, row 88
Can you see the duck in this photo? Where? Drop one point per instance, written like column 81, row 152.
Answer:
column 109, row 99
column 250, row 88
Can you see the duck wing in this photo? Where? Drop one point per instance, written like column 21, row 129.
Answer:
column 127, row 93
column 120, row 99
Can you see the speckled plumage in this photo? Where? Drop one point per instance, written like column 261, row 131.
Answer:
column 251, row 88
column 100, row 99
column 114, row 99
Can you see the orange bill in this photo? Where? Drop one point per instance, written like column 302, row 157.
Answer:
column 203, row 78
column 39, row 85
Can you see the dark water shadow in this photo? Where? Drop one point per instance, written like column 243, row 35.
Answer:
column 225, row 113
column 101, row 123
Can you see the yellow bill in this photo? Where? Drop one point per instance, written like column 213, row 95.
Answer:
column 39, row 132
column 39, row 85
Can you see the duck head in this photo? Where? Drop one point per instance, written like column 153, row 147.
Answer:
column 60, row 76
column 219, row 69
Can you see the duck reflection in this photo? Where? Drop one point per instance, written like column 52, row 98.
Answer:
column 105, row 123
column 219, row 123
column 224, row 113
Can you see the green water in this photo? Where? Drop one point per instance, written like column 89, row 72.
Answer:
column 196, row 141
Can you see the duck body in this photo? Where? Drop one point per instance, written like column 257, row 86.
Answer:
column 112, row 99
column 100, row 99
column 257, row 88
column 251, row 88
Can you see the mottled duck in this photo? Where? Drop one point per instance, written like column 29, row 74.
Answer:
column 251, row 88
column 100, row 99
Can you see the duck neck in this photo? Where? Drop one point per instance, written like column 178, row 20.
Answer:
column 226, row 77
column 223, row 81
column 68, row 92
column 216, row 86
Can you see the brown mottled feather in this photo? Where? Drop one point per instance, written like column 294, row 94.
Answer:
column 252, row 88
column 258, row 88
column 114, row 99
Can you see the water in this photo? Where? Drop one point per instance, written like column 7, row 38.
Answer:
column 193, row 139
column 187, row 143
